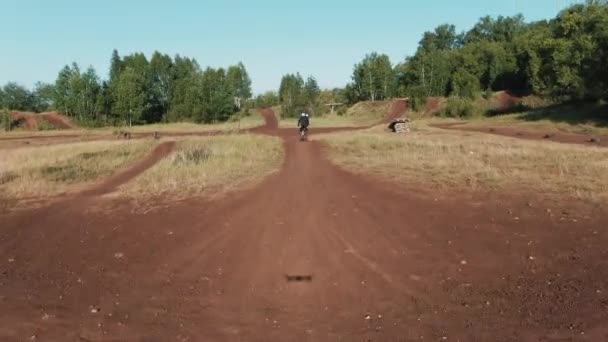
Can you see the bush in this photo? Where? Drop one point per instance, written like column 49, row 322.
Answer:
column 91, row 122
column 44, row 125
column 465, row 84
column 243, row 113
column 534, row 102
column 417, row 97
column 266, row 100
column 16, row 123
column 417, row 103
column 488, row 94
column 193, row 156
column 294, row 110
column 458, row 107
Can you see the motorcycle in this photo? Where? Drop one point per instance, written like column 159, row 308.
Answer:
column 303, row 134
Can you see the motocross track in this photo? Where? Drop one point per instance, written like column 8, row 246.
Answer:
column 398, row 108
column 312, row 254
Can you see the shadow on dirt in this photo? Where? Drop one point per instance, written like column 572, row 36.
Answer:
column 573, row 113
column 298, row 278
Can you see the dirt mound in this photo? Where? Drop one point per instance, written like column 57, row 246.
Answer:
column 501, row 102
column 57, row 120
column 380, row 108
column 398, row 109
column 433, row 105
column 507, row 101
column 32, row 121
column 24, row 120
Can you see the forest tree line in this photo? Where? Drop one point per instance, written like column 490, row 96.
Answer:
column 565, row 58
column 138, row 90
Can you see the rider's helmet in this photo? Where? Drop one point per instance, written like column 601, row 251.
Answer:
column 303, row 114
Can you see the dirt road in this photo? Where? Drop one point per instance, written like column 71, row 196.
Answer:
column 311, row 254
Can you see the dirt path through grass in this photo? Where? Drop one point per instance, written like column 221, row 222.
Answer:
column 116, row 180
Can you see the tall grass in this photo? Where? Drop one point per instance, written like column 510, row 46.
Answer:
column 50, row 170
column 459, row 107
column 477, row 161
column 200, row 165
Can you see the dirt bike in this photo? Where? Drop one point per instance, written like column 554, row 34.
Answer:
column 303, row 133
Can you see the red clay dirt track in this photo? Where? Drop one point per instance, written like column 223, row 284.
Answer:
column 311, row 254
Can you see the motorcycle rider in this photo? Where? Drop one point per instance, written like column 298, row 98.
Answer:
column 303, row 122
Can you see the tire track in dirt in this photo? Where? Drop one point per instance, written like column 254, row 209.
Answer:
column 122, row 177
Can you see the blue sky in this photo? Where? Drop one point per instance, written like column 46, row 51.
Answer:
column 271, row 37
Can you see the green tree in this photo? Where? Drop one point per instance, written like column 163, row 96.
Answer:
column 116, row 67
column 63, row 91
column 103, row 104
column 186, row 100
column 267, row 99
column 164, row 88
column 43, row 96
column 130, row 94
column 292, row 95
column 162, row 75
column 217, row 95
column 374, row 78
column 220, row 106
column 239, row 84
column 88, row 90
column 74, row 93
column 465, row 84
column 501, row 29
column 6, row 120
column 17, row 97
column 312, row 92
column 444, row 37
